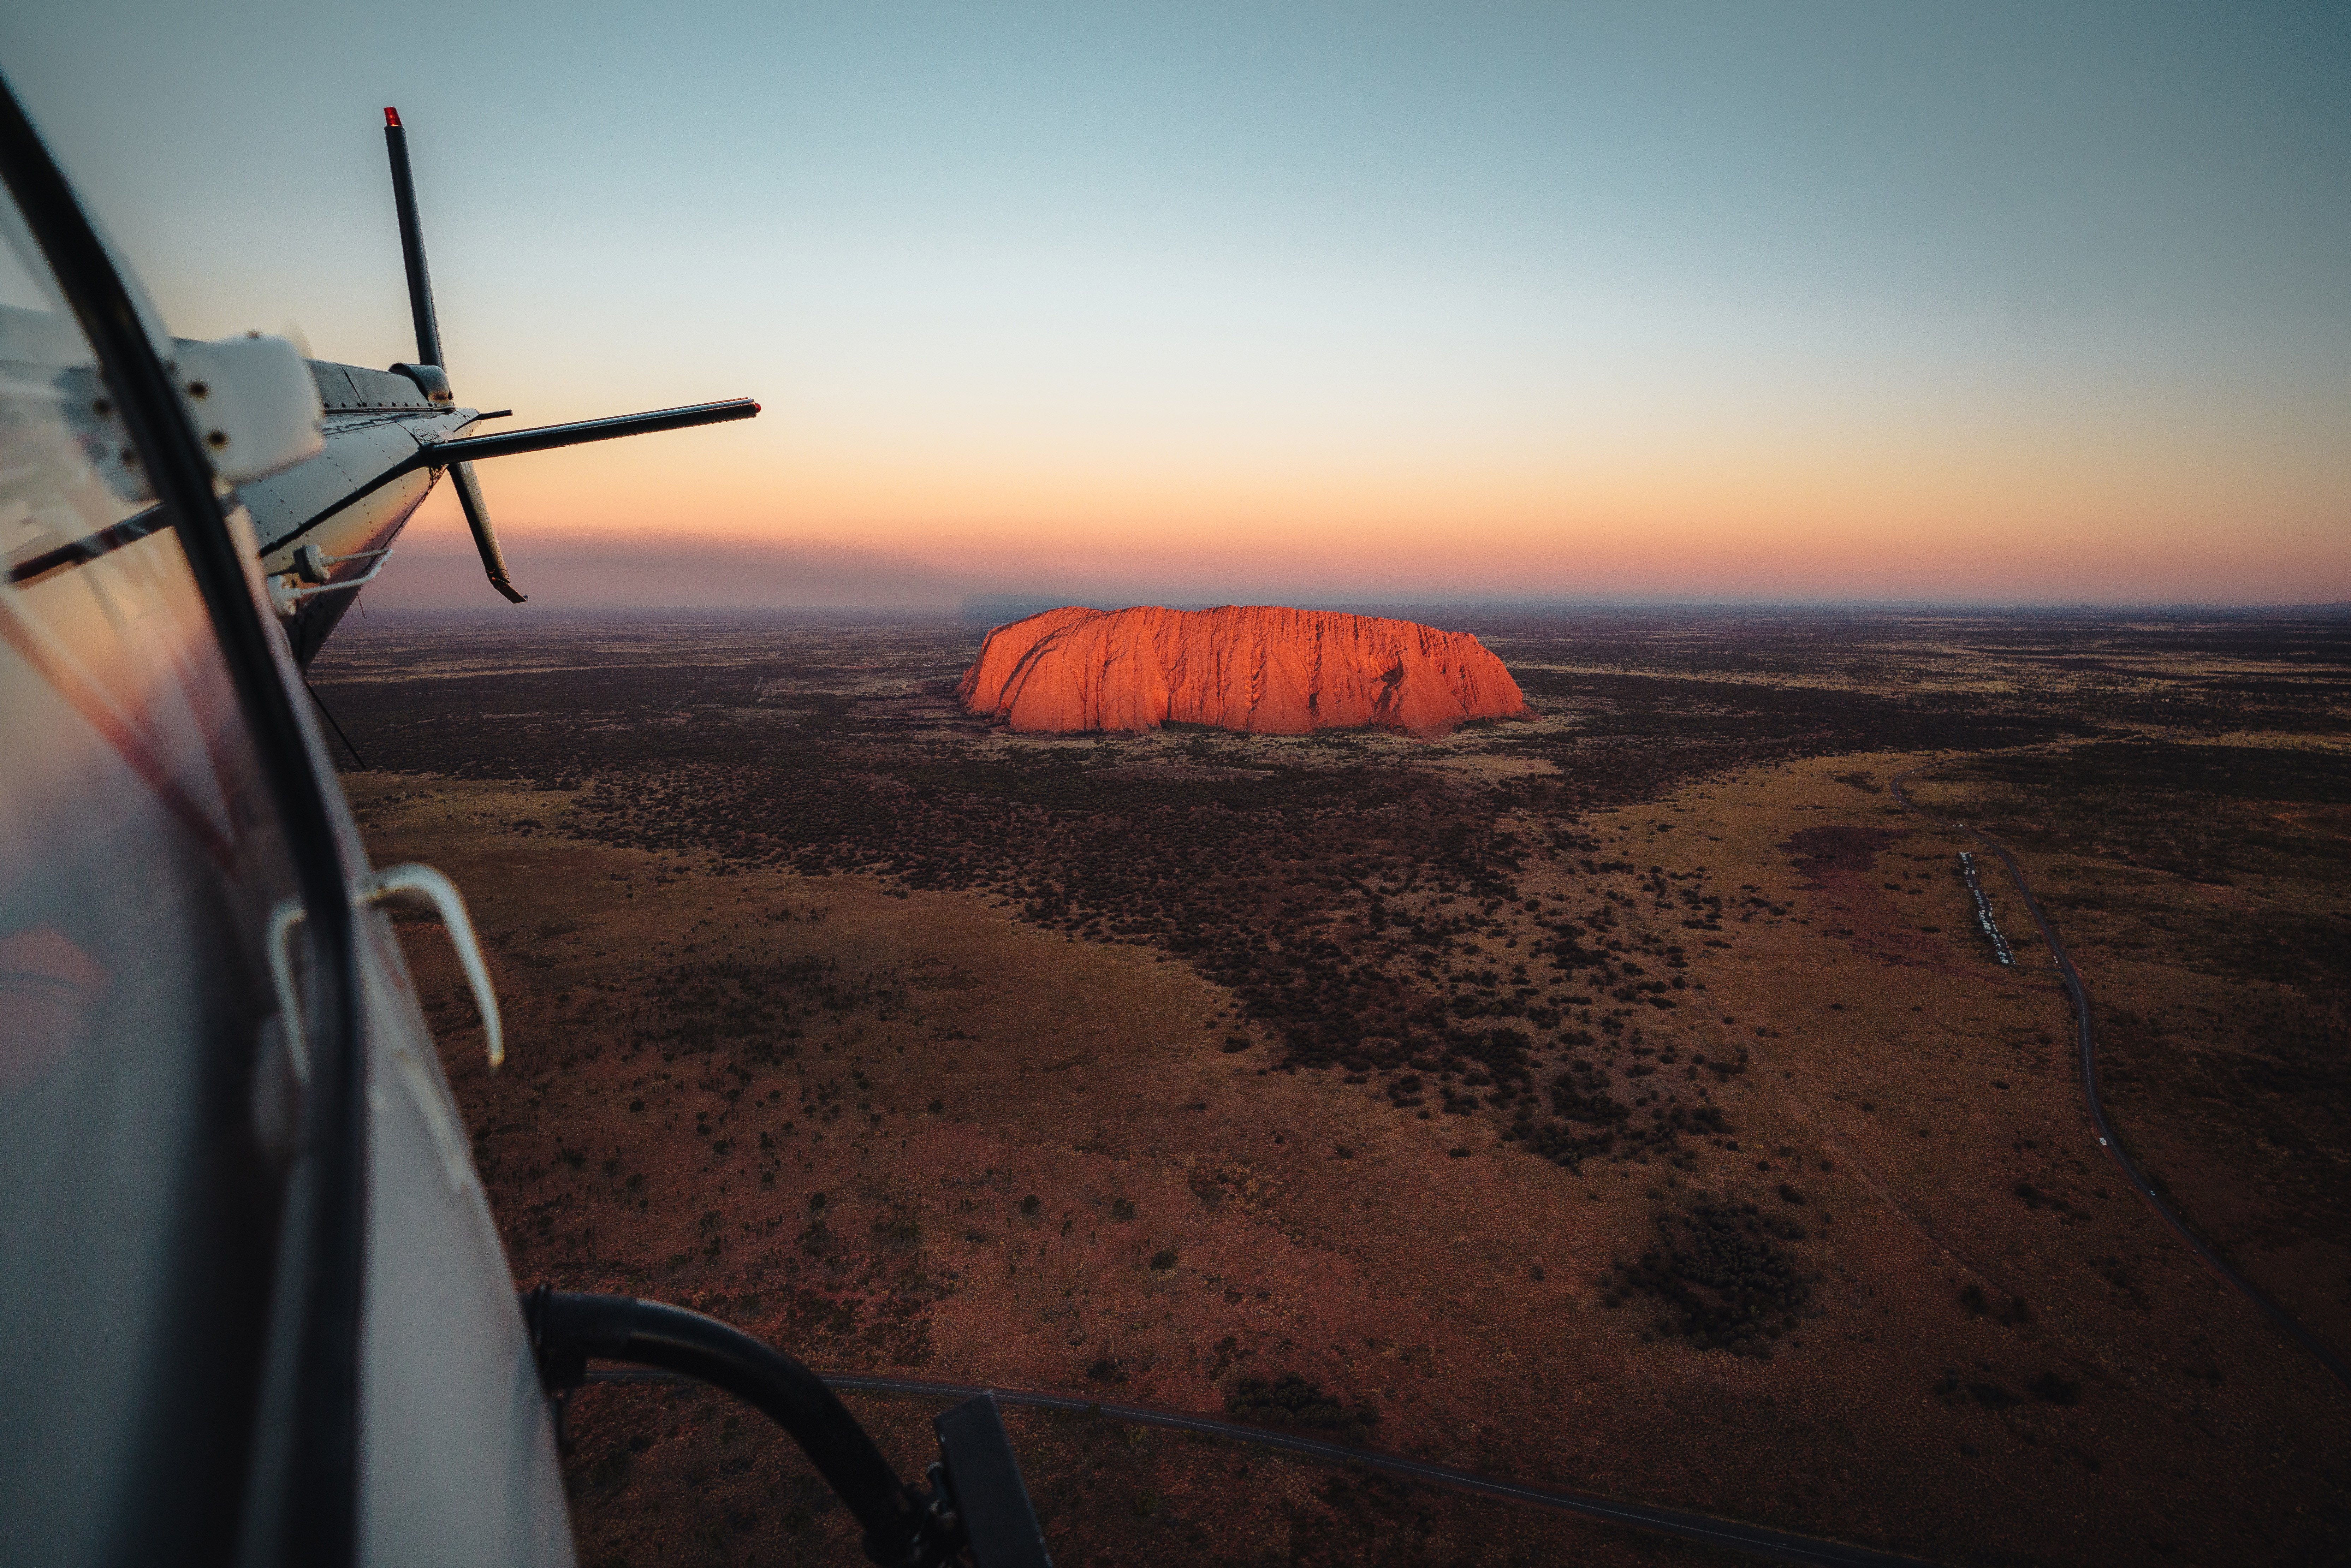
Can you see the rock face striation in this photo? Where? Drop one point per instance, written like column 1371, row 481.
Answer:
column 1250, row 668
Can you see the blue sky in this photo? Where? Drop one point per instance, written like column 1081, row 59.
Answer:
column 1188, row 301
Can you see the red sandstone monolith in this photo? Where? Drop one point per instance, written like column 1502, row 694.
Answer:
column 1257, row 669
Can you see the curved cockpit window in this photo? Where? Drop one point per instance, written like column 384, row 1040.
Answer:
column 148, row 1095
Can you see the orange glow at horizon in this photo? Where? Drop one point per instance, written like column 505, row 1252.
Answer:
column 2111, row 516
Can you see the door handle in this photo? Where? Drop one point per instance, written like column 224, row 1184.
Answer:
column 418, row 886
column 422, row 887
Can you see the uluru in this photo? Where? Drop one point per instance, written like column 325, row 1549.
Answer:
column 1255, row 669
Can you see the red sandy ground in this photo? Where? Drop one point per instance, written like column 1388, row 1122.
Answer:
column 1899, row 1080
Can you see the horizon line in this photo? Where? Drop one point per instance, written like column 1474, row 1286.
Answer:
column 1023, row 605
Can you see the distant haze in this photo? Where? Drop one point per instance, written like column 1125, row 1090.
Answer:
column 1311, row 302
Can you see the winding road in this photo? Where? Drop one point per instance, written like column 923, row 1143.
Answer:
column 2108, row 1140
column 1753, row 1540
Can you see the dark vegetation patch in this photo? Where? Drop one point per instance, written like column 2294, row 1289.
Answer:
column 1110, row 1493
column 1362, row 914
column 1838, row 847
column 1354, row 907
column 2068, row 672
column 2015, row 1313
column 1290, row 1400
column 1370, row 918
column 759, row 1007
column 2052, row 1389
column 2213, row 873
column 1721, row 1277
column 2206, row 812
column 1784, row 722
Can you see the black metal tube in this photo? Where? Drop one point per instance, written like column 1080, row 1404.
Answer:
column 545, row 437
column 306, row 1506
column 412, row 244
column 1754, row 1539
column 574, row 1325
column 91, row 547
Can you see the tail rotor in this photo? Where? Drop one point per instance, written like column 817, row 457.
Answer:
column 455, row 454
column 428, row 351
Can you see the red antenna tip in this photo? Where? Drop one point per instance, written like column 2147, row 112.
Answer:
column 392, row 118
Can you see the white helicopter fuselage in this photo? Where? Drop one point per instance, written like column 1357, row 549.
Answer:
column 372, row 421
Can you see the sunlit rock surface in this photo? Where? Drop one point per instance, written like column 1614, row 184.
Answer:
column 1250, row 668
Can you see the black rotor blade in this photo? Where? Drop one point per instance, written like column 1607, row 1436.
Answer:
column 456, row 455
column 545, row 437
column 477, row 518
column 411, row 244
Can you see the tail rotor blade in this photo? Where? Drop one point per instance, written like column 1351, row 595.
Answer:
column 411, row 249
column 477, row 518
column 428, row 347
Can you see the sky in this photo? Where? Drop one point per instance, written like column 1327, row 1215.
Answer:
column 1295, row 302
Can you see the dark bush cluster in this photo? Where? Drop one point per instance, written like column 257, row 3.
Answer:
column 1725, row 1282
column 1290, row 1400
column 2015, row 1314
column 1593, row 1122
column 2049, row 1387
column 2052, row 1389
column 759, row 1008
column 1332, row 899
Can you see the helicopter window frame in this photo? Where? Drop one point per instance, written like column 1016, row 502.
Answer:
column 304, row 1482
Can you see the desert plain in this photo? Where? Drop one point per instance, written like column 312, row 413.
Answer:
column 1626, row 1098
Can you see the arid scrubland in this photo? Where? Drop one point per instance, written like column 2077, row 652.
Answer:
column 1625, row 1099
